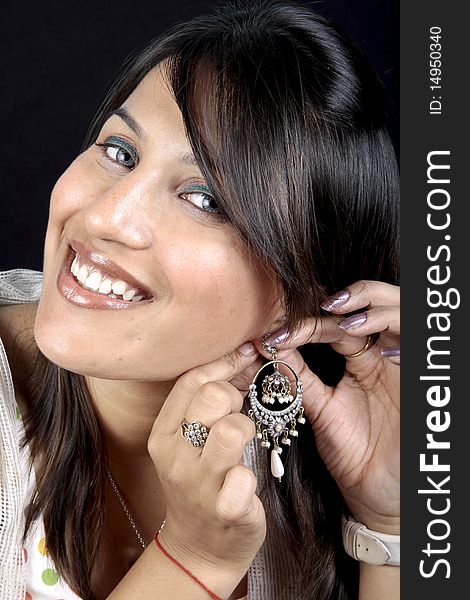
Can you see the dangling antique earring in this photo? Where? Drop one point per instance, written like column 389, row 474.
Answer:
column 279, row 424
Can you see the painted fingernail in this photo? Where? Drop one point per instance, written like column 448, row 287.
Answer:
column 273, row 339
column 337, row 300
column 353, row 322
column 247, row 349
column 390, row 352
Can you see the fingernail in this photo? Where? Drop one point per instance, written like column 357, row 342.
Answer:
column 390, row 352
column 353, row 322
column 247, row 349
column 337, row 300
column 278, row 337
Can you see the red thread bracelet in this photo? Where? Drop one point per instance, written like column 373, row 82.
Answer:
column 180, row 566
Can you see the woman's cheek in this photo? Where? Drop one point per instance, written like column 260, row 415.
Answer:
column 72, row 190
column 212, row 273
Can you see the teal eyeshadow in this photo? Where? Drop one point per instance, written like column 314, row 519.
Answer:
column 198, row 188
column 120, row 143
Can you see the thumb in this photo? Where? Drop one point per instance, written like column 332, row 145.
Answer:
column 224, row 368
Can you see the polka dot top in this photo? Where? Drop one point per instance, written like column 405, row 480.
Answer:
column 42, row 580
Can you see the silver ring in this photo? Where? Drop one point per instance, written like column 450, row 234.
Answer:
column 194, row 433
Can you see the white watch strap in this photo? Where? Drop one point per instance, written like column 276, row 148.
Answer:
column 370, row 546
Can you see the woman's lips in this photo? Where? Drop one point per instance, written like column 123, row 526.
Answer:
column 108, row 280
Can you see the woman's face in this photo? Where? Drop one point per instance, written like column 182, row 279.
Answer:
column 161, row 283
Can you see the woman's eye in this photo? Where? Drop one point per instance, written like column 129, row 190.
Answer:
column 202, row 199
column 120, row 151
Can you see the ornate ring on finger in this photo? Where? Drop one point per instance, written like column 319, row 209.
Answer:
column 195, row 433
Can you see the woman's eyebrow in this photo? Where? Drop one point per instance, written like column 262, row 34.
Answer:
column 128, row 120
column 187, row 158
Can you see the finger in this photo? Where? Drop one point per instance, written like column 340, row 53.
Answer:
column 225, row 445
column 315, row 393
column 212, row 401
column 236, row 500
column 380, row 319
column 356, row 348
column 330, row 333
column 393, row 354
column 348, row 346
column 243, row 380
column 363, row 294
column 384, row 319
column 309, row 331
column 222, row 369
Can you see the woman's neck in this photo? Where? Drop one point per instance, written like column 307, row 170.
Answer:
column 127, row 411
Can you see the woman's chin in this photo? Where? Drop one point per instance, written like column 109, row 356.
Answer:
column 58, row 341
column 70, row 349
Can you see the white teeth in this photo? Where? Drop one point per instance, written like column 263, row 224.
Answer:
column 119, row 287
column 75, row 266
column 93, row 281
column 82, row 274
column 97, row 282
column 129, row 294
column 106, row 286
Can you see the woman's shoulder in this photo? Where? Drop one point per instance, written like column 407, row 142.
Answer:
column 19, row 292
column 19, row 286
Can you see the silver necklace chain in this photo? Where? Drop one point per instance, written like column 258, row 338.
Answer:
column 126, row 510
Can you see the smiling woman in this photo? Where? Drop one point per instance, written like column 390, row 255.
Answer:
column 132, row 197
column 224, row 210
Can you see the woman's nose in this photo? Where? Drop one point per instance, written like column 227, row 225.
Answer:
column 120, row 214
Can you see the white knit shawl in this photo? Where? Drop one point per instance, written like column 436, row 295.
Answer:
column 16, row 287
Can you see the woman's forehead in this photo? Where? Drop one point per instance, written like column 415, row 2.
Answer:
column 154, row 94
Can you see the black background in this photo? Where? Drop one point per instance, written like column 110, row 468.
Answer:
column 57, row 60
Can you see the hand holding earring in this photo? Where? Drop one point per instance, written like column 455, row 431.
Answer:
column 355, row 421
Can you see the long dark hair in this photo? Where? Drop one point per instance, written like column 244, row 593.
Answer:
column 286, row 120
